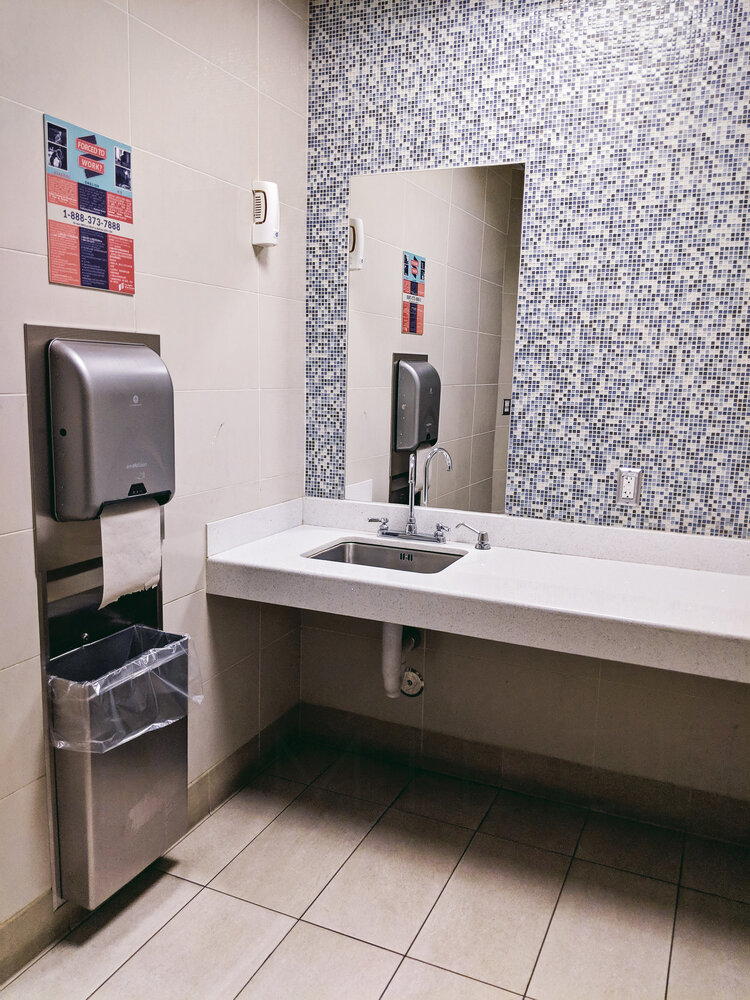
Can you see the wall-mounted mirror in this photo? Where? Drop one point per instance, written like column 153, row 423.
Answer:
column 439, row 281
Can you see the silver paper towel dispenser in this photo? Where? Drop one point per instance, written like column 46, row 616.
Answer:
column 112, row 426
column 417, row 405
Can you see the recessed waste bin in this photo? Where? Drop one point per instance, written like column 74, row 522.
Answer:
column 118, row 718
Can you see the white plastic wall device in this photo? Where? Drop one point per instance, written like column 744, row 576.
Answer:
column 265, row 214
column 356, row 244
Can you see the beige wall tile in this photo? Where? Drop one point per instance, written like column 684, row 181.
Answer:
column 282, row 431
column 368, row 429
column 282, row 343
column 485, row 409
column 229, row 41
column 277, row 621
column 22, row 194
column 192, row 226
column 375, row 288
column 379, row 200
column 488, row 359
column 216, row 439
column 223, row 630
column 39, row 32
column 469, row 188
column 28, row 297
column 462, row 300
column 313, row 962
column 497, row 207
column 480, row 495
column 327, row 658
column 465, row 236
column 226, row 718
column 494, row 244
column 212, row 125
column 482, row 449
column 283, row 151
column 281, row 268
column 460, row 357
column 490, row 308
column 19, row 624
column 371, row 343
column 209, row 335
column 279, row 677
column 21, row 725
column 15, row 484
column 437, row 182
column 425, row 225
column 283, row 55
column 24, row 838
column 457, row 416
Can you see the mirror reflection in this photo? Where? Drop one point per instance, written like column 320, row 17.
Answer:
column 433, row 284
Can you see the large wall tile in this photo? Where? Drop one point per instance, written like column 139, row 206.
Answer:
column 226, row 36
column 37, row 69
column 19, row 622
column 283, row 55
column 21, row 727
column 24, row 838
column 28, row 297
column 281, row 267
column 15, row 485
column 209, row 335
column 279, row 677
column 465, row 239
column 211, row 125
column 192, row 226
column 223, row 631
column 282, row 432
column 226, row 718
column 22, row 194
column 283, row 151
column 282, row 343
column 216, row 439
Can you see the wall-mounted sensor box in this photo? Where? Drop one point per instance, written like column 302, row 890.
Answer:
column 417, row 405
column 266, row 214
column 111, row 424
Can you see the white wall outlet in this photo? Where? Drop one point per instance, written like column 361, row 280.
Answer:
column 629, row 485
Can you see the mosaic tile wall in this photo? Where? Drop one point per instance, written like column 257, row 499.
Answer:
column 633, row 326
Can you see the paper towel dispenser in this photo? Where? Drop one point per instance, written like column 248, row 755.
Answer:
column 112, row 426
column 417, row 405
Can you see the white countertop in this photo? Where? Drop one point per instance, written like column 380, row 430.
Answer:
column 673, row 617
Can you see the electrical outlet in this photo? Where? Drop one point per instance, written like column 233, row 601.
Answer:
column 629, row 485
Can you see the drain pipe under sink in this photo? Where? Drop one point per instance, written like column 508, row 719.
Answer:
column 397, row 642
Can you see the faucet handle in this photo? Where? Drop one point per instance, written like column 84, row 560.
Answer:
column 483, row 540
column 440, row 530
column 382, row 521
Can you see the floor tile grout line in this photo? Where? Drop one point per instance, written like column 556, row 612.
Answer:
column 351, row 937
column 557, row 901
column 143, row 944
column 674, row 917
column 272, row 952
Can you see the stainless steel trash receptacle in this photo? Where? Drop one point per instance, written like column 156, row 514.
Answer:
column 118, row 715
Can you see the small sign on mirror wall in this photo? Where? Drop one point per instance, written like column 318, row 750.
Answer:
column 506, row 407
column 413, row 293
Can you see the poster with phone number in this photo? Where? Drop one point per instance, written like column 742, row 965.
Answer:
column 89, row 208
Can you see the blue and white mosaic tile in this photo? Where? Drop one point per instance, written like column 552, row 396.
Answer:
column 633, row 326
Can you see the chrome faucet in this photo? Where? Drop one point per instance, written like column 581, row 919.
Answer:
column 411, row 524
column 428, row 461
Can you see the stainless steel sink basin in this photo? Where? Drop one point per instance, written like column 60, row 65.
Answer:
column 388, row 556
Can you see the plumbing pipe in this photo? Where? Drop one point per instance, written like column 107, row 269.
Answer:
column 397, row 643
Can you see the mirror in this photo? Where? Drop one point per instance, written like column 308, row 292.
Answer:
column 459, row 230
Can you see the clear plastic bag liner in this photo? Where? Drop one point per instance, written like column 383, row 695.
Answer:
column 116, row 689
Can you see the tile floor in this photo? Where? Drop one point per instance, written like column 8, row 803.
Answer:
column 340, row 876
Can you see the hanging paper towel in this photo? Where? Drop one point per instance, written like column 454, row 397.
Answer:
column 131, row 548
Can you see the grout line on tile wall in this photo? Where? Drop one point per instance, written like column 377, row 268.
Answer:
column 674, row 918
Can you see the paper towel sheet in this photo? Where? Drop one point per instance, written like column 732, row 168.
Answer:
column 131, row 548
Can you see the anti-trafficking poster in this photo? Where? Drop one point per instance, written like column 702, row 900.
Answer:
column 413, row 294
column 89, row 209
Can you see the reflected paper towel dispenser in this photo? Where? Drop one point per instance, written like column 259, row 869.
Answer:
column 417, row 405
column 112, row 426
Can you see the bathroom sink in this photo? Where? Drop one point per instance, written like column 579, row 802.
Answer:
column 388, row 556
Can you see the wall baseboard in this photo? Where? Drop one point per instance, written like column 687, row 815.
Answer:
column 702, row 813
column 28, row 932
